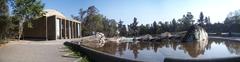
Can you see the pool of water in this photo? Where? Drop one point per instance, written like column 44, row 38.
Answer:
column 157, row 51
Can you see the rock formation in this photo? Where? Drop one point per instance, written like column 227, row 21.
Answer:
column 195, row 33
column 145, row 37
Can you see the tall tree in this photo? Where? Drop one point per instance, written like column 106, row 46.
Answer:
column 232, row 21
column 134, row 27
column 27, row 10
column 143, row 30
column 92, row 10
column 93, row 22
column 201, row 19
column 186, row 21
column 4, row 8
column 174, row 25
column 121, row 28
column 82, row 13
column 190, row 18
column 155, row 27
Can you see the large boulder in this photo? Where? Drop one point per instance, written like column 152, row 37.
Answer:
column 145, row 37
column 165, row 35
column 96, row 40
column 101, row 38
column 195, row 33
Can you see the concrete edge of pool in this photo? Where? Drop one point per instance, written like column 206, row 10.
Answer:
column 97, row 56
column 226, row 59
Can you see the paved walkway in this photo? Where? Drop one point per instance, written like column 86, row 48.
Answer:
column 33, row 51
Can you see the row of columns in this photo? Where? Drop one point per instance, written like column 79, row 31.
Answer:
column 69, row 29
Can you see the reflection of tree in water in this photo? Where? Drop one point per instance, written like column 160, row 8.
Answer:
column 122, row 47
column 109, row 47
column 193, row 49
column 233, row 47
column 134, row 48
column 216, row 41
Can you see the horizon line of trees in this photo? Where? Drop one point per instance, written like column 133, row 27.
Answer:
column 93, row 21
column 231, row 24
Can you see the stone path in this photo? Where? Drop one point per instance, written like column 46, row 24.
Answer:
column 33, row 51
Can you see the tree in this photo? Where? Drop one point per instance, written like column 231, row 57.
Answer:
column 4, row 8
column 81, row 13
column 190, row 18
column 5, row 21
column 143, row 30
column 92, row 10
column 201, row 19
column 208, row 24
column 122, row 28
column 110, row 27
column 186, row 21
column 93, row 21
column 27, row 10
column 155, row 27
column 133, row 27
column 174, row 25
column 232, row 21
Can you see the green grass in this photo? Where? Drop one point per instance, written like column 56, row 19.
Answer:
column 77, row 54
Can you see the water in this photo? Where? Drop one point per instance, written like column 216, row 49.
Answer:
column 157, row 51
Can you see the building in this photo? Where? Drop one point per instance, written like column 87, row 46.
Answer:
column 53, row 25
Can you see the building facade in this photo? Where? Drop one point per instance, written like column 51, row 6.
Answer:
column 53, row 25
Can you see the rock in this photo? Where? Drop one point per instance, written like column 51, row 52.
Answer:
column 195, row 33
column 97, row 40
column 114, row 39
column 101, row 38
column 165, row 35
column 145, row 37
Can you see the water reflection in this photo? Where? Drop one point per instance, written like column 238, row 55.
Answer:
column 173, row 48
column 234, row 48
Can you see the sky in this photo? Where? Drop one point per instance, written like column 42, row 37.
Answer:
column 147, row 11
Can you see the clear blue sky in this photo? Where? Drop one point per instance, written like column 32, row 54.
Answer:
column 148, row 11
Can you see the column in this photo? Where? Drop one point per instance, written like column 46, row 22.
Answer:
column 79, row 30
column 65, row 29
column 63, row 26
column 60, row 28
column 72, row 30
column 76, row 30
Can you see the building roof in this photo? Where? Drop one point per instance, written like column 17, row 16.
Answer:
column 51, row 12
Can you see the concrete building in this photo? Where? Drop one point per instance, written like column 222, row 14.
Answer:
column 53, row 25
